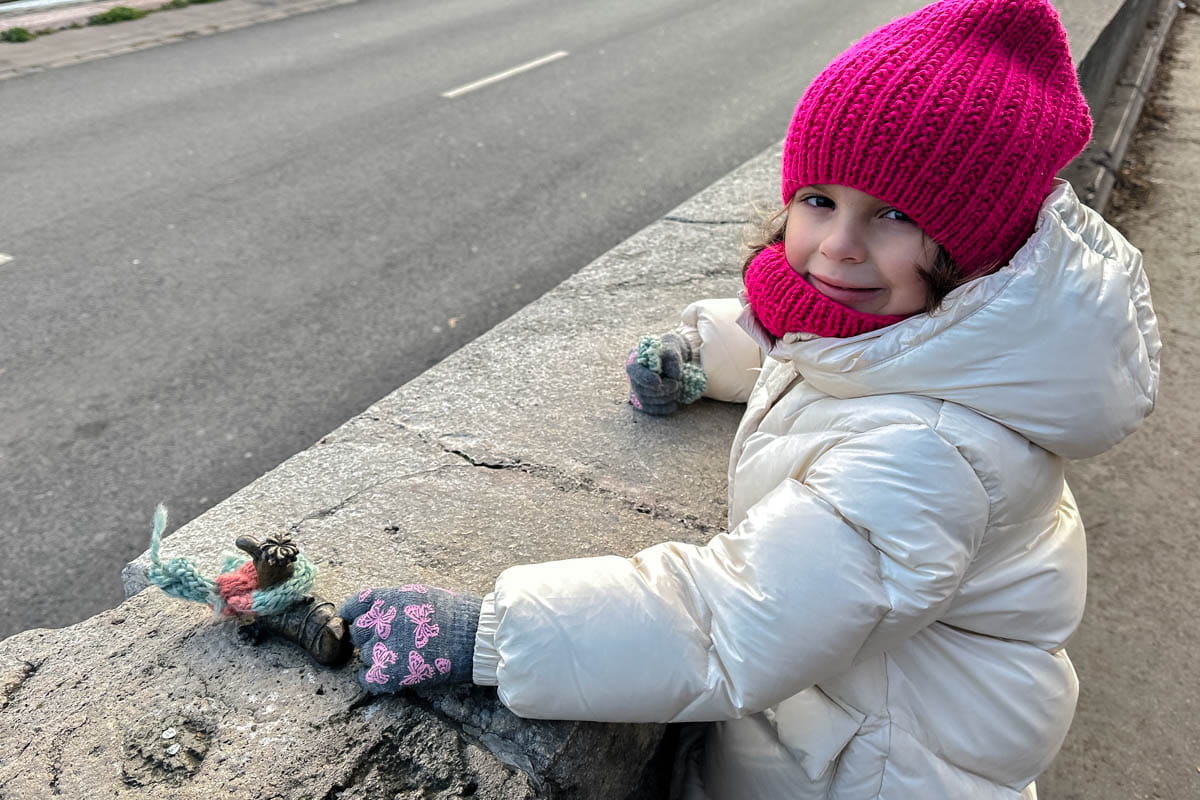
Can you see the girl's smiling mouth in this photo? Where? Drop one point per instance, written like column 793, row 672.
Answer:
column 846, row 295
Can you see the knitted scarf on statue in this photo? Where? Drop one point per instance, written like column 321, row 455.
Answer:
column 786, row 303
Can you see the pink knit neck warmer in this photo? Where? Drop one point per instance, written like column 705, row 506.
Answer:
column 786, row 303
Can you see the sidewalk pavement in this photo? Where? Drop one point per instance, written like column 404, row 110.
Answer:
column 66, row 16
column 1136, row 733
column 73, row 46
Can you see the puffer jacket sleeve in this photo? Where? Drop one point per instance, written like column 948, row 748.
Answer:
column 863, row 548
column 729, row 357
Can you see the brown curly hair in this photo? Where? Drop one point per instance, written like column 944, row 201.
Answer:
column 941, row 277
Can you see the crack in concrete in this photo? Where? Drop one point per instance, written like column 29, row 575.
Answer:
column 507, row 752
column 58, row 743
column 560, row 479
column 490, row 463
column 14, row 678
column 718, row 270
column 388, row 764
column 355, row 775
column 329, row 511
column 567, row 482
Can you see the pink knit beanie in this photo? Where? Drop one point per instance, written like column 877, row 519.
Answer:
column 959, row 115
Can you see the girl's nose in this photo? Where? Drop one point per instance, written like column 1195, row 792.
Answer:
column 843, row 243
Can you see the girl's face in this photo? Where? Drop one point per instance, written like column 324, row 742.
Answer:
column 858, row 250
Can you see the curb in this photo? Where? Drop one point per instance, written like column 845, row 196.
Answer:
column 68, row 46
column 68, row 15
column 1095, row 171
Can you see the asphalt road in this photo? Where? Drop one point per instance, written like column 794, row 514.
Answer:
column 223, row 248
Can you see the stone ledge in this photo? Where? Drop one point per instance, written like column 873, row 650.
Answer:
column 518, row 448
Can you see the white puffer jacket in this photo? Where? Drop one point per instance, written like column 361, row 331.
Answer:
column 886, row 615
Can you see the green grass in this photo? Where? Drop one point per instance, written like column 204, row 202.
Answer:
column 16, row 35
column 117, row 14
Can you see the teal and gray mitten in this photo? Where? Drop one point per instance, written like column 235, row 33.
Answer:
column 415, row 635
column 664, row 373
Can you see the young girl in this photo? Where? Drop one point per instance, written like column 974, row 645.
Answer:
column 935, row 326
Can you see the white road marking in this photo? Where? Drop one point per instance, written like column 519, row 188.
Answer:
column 5, row 258
column 508, row 73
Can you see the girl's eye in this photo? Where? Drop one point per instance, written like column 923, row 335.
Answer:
column 817, row 201
column 897, row 215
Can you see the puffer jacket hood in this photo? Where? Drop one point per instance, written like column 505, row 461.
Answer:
column 1088, row 332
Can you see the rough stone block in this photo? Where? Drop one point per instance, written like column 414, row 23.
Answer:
column 153, row 699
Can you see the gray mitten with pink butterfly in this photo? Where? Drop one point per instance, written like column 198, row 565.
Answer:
column 415, row 635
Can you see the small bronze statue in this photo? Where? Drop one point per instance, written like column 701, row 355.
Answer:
column 310, row 622
column 270, row 594
column 274, row 559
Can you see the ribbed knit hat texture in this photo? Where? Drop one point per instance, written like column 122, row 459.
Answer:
column 959, row 115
